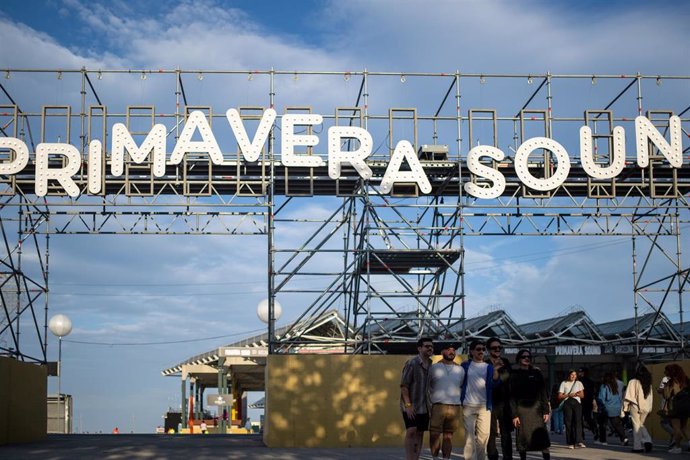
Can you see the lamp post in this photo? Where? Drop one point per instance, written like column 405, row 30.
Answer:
column 264, row 314
column 60, row 326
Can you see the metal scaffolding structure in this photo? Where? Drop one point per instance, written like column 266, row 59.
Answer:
column 391, row 263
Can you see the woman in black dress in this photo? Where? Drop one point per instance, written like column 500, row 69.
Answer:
column 530, row 407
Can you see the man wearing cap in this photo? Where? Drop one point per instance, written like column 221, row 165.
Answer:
column 414, row 397
column 445, row 380
column 501, row 416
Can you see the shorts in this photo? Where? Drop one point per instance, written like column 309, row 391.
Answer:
column 445, row 418
column 420, row 421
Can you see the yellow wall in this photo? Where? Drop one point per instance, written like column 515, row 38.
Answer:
column 23, row 404
column 335, row 401
column 653, row 420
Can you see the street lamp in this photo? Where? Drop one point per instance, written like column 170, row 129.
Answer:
column 262, row 310
column 60, row 326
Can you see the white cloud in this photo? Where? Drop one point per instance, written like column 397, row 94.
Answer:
column 507, row 37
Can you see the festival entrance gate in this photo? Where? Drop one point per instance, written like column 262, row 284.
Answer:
column 450, row 156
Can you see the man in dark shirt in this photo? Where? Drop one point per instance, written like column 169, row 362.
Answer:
column 414, row 397
column 501, row 418
column 587, row 402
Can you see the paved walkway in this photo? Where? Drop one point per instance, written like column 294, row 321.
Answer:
column 150, row 446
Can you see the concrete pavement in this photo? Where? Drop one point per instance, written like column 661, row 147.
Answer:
column 151, row 446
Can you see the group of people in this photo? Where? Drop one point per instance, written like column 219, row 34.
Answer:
column 612, row 403
column 493, row 398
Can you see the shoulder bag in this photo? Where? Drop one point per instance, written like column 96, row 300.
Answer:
column 560, row 406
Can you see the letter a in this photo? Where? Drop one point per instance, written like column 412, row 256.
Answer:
column 404, row 150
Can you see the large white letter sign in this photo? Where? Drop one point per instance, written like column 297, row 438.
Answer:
column 21, row 158
column 522, row 156
column 289, row 140
column 336, row 156
column 122, row 140
column 645, row 130
column 482, row 170
column 405, row 151
column 62, row 175
column 96, row 166
column 598, row 171
column 251, row 150
column 208, row 144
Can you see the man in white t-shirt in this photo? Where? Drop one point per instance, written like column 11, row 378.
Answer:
column 445, row 379
column 476, row 396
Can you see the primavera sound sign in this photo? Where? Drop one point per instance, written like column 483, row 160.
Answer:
column 155, row 146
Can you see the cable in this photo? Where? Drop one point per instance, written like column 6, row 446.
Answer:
column 135, row 294
column 169, row 342
column 149, row 284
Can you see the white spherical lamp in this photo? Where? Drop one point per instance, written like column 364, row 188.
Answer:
column 262, row 310
column 60, row 325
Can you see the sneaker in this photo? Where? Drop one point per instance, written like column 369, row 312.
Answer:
column 675, row 450
column 581, row 444
column 571, row 447
column 601, row 443
column 625, row 442
column 648, row 446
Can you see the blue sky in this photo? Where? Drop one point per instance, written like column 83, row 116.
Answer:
column 128, row 290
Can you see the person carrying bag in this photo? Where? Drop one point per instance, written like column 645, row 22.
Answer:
column 570, row 394
column 676, row 392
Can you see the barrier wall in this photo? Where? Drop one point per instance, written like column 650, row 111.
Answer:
column 353, row 401
column 653, row 421
column 23, row 402
column 335, row 401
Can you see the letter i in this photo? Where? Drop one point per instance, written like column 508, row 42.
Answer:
column 95, row 167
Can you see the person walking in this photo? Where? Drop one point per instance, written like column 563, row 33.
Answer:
column 665, row 422
column 414, row 397
column 556, row 409
column 638, row 402
column 678, row 383
column 612, row 402
column 570, row 394
column 445, row 380
column 476, row 396
column 587, row 402
column 529, row 406
column 501, row 418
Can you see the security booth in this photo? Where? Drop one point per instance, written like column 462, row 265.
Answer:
column 214, row 385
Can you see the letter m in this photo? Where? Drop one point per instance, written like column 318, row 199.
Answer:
column 122, row 141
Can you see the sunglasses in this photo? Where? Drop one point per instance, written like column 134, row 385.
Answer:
column 480, row 349
column 526, row 357
column 496, row 348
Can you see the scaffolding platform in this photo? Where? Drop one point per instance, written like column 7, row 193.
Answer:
column 405, row 261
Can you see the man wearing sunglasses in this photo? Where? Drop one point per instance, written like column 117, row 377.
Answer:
column 476, row 396
column 414, row 397
column 501, row 419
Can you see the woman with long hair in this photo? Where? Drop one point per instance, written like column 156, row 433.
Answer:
column 612, row 400
column 570, row 394
column 529, row 406
column 678, row 382
column 638, row 402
